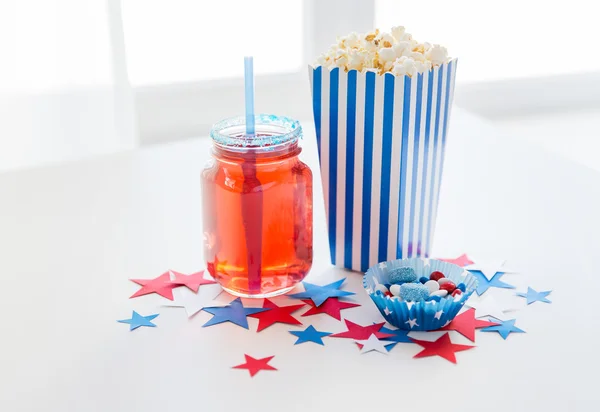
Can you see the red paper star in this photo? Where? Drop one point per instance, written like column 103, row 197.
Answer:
column 441, row 347
column 331, row 307
column 161, row 285
column 281, row 314
column 358, row 332
column 465, row 324
column 193, row 281
column 255, row 365
column 463, row 260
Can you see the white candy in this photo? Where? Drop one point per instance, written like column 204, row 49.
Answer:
column 395, row 290
column 441, row 293
column 381, row 288
column 432, row 285
column 443, row 280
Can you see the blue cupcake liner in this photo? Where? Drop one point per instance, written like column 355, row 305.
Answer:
column 420, row 315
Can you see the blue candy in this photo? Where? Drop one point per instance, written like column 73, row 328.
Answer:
column 402, row 275
column 423, row 279
column 413, row 292
column 462, row 287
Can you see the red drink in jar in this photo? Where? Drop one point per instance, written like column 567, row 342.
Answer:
column 257, row 207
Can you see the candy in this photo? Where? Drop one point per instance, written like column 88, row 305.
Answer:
column 381, row 288
column 441, row 293
column 388, row 293
column 432, row 285
column 423, row 279
column 436, row 275
column 448, row 286
column 395, row 290
column 462, row 287
column 457, row 292
column 402, row 275
column 443, row 280
column 413, row 291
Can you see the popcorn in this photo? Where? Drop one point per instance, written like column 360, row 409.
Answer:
column 437, row 55
column 355, row 60
column 395, row 52
column 351, row 41
column 386, row 40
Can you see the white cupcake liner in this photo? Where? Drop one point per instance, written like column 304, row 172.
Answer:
column 420, row 315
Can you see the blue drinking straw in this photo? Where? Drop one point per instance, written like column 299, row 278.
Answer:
column 249, row 94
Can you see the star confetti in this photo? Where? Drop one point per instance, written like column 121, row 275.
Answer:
column 192, row 282
column 331, row 307
column 463, row 260
column 194, row 302
column 235, row 313
column 534, row 296
column 483, row 284
column 373, row 344
column 505, row 328
column 488, row 268
column 358, row 332
column 276, row 314
column 319, row 294
column 161, row 285
column 309, row 334
column 398, row 336
column 465, row 324
column 138, row 320
column 442, row 347
column 488, row 306
column 255, row 365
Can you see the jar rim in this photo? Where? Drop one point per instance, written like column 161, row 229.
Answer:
column 277, row 130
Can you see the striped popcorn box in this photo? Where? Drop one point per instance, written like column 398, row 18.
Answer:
column 381, row 141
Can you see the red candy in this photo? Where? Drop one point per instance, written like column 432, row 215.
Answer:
column 456, row 292
column 436, row 276
column 388, row 293
column 448, row 286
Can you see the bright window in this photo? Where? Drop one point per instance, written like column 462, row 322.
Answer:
column 190, row 40
column 500, row 40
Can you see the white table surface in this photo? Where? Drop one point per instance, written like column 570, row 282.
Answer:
column 71, row 235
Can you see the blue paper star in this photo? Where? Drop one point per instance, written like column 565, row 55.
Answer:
column 235, row 312
column 504, row 328
column 400, row 336
column 483, row 284
column 138, row 320
column 309, row 334
column 534, row 296
column 319, row 294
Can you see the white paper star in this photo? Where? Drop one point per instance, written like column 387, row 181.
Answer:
column 412, row 323
column 387, row 311
column 373, row 344
column 438, row 314
column 489, row 267
column 488, row 306
column 194, row 302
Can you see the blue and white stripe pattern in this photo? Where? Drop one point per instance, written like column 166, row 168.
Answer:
column 381, row 146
